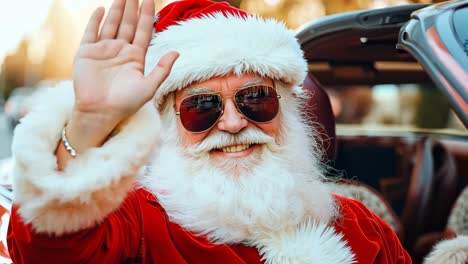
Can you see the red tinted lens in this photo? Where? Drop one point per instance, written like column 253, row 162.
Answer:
column 258, row 103
column 200, row 112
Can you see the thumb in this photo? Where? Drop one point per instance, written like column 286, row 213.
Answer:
column 162, row 69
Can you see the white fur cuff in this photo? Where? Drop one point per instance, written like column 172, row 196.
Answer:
column 93, row 184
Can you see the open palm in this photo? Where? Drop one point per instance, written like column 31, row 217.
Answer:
column 109, row 66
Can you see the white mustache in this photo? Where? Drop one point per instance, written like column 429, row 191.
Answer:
column 224, row 139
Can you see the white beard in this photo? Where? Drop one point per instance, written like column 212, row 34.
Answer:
column 241, row 200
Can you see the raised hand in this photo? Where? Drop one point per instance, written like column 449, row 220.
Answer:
column 109, row 66
column 109, row 80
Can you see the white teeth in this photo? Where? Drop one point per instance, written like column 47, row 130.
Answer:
column 235, row 148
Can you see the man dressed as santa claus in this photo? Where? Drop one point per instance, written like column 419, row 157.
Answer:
column 181, row 139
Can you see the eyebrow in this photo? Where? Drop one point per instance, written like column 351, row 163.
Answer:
column 256, row 81
column 201, row 90
column 196, row 90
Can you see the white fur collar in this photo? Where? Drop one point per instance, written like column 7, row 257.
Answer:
column 309, row 243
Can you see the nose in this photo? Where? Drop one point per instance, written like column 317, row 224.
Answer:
column 231, row 121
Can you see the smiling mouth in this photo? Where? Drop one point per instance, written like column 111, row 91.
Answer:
column 234, row 148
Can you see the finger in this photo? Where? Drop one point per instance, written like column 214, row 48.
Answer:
column 144, row 29
column 91, row 32
column 129, row 21
column 162, row 69
column 112, row 22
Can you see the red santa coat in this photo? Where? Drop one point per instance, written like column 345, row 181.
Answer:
column 90, row 212
column 140, row 232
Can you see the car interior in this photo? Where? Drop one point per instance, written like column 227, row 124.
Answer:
column 417, row 178
column 417, row 174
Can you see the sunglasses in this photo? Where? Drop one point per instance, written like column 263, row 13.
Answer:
column 259, row 103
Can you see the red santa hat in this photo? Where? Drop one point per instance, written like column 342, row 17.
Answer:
column 215, row 39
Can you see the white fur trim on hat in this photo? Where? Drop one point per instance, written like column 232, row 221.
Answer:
column 309, row 243
column 93, row 184
column 216, row 45
column 452, row 251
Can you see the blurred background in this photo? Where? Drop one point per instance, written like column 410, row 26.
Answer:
column 40, row 37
